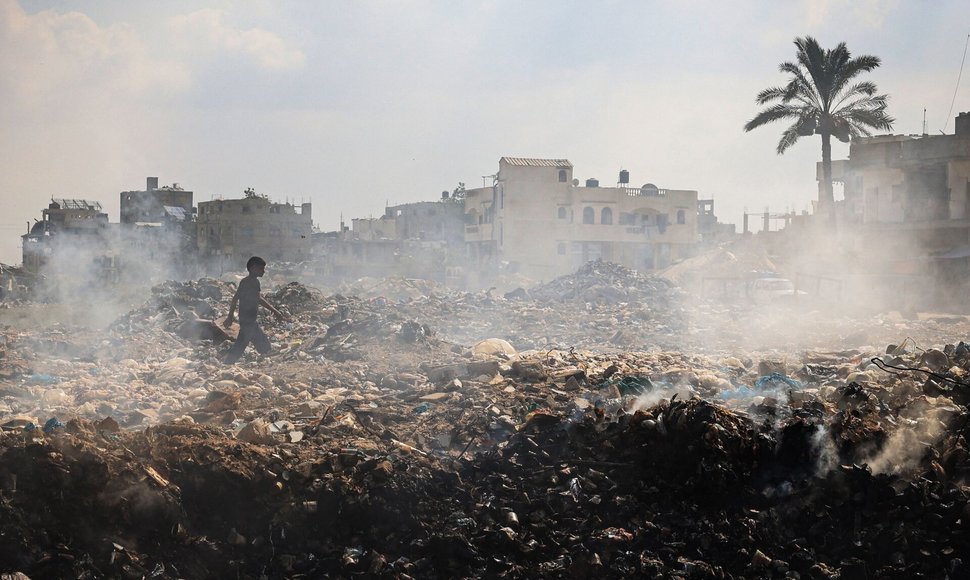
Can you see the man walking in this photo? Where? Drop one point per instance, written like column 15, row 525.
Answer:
column 248, row 297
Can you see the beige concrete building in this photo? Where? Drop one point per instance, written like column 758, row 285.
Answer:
column 536, row 217
column 419, row 239
column 917, row 184
column 232, row 230
column 907, row 210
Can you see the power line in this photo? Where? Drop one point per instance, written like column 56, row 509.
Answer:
column 956, row 88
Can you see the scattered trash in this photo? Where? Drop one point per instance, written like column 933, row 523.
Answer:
column 589, row 426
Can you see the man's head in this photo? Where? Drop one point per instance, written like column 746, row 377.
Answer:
column 256, row 266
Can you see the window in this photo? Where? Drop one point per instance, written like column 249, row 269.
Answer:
column 589, row 215
column 561, row 248
column 246, row 209
column 606, row 216
column 662, row 222
column 562, row 176
column 681, row 217
column 562, row 213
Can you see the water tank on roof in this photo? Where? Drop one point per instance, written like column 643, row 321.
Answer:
column 591, row 182
column 624, row 177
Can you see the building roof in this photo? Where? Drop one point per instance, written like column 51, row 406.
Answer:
column 176, row 212
column 530, row 162
column 77, row 204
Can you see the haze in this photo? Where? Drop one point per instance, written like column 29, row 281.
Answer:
column 352, row 105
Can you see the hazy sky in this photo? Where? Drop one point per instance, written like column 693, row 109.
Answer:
column 352, row 105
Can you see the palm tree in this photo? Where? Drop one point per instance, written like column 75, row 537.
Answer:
column 822, row 98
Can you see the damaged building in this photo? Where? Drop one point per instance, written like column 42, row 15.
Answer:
column 229, row 231
column 156, row 205
column 67, row 224
column 536, row 217
column 160, row 221
column 909, row 195
column 421, row 239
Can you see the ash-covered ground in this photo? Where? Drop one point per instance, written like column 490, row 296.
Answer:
column 603, row 424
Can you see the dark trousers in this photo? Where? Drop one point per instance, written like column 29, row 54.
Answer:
column 249, row 332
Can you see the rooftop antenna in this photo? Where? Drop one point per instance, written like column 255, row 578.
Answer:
column 956, row 88
column 924, row 121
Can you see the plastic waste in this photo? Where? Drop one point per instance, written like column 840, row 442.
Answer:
column 52, row 424
column 776, row 380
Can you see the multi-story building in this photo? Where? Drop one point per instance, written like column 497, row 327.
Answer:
column 539, row 220
column 159, row 223
column 417, row 239
column 229, row 231
column 156, row 204
column 67, row 224
column 908, row 179
column 908, row 196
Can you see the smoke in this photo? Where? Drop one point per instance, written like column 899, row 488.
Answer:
column 95, row 277
column 652, row 398
column 823, row 447
column 907, row 446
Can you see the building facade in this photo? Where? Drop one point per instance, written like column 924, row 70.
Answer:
column 537, row 219
column 230, row 231
column 907, row 208
column 67, row 225
column 419, row 239
column 156, row 204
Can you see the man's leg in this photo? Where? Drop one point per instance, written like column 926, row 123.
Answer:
column 239, row 347
column 260, row 341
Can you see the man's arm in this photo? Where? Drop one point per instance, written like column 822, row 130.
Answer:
column 271, row 308
column 232, row 309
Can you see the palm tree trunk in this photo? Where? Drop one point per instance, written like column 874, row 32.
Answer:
column 826, row 198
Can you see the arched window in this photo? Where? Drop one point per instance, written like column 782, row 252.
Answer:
column 562, row 176
column 589, row 216
column 606, row 216
column 562, row 213
column 681, row 217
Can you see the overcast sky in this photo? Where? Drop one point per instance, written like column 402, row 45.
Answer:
column 353, row 105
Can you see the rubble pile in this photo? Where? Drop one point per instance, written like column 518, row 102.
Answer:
column 394, row 288
column 608, row 283
column 395, row 437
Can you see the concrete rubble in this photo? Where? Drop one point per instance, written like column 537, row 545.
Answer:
column 601, row 424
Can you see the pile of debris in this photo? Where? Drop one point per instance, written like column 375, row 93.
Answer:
column 396, row 437
column 602, row 282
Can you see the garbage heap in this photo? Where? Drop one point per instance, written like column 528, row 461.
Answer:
column 371, row 443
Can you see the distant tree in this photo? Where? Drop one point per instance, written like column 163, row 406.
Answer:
column 823, row 98
column 459, row 192
column 251, row 194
